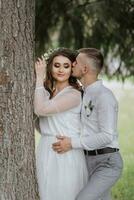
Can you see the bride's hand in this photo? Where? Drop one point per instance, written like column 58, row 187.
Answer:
column 40, row 68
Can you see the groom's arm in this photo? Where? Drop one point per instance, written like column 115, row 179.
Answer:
column 107, row 122
column 107, row 112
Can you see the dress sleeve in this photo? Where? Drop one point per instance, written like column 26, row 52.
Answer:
column 44, row 106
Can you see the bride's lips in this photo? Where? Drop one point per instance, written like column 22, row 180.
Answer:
column 60, row 75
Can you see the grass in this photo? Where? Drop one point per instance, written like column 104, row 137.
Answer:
column 124, row 188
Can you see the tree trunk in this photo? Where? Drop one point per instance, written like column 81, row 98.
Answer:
column 17, row 149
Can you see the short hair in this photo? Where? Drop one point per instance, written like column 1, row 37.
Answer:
column 95, row 55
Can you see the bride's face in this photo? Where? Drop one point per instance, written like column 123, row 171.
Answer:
column 61, row 68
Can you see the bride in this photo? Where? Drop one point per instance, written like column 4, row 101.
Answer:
column 57, row 103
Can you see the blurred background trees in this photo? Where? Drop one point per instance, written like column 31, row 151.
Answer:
column 104, row 24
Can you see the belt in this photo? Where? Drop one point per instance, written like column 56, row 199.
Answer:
column 100, row 151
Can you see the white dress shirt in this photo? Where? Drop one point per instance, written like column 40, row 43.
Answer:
column 98, row 118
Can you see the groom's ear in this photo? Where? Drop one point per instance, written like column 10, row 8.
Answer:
column 85, row 69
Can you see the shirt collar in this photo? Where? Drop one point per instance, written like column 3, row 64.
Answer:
column 93, row 86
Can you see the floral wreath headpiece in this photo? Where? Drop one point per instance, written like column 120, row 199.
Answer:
column 47, row 55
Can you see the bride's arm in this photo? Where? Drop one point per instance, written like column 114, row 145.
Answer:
column 43, row 106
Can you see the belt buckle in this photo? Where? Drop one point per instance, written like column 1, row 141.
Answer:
column 96, row 152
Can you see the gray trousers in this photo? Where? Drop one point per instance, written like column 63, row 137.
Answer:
column 104, row 171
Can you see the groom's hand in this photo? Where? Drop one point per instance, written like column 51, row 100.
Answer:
column 63, row 145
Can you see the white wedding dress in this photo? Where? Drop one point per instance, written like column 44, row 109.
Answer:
column 60, row 176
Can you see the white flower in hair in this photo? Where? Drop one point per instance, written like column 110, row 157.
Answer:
column 49, row 52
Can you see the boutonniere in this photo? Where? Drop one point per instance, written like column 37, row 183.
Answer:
column 89, row 108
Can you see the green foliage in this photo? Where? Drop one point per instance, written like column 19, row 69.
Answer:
column 123, row 190
column 104, row 24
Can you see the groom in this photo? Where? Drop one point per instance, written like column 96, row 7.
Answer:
column 99, row 137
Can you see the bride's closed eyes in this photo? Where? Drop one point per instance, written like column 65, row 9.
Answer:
column 65, row 65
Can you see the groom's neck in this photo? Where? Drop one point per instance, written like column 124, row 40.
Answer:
column 88, row 80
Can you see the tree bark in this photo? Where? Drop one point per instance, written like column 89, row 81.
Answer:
column 17, row 149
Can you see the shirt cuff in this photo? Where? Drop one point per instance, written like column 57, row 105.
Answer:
column 76, row 143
